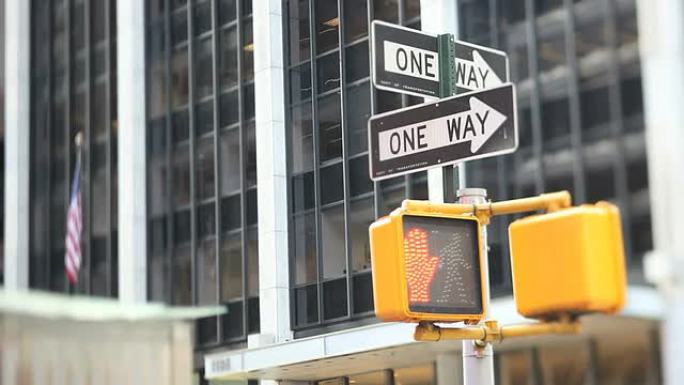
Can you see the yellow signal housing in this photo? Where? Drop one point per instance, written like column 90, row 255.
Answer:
column 569, row 261
column 427, row 266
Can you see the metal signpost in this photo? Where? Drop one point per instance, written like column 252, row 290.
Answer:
column 472, row 125
column 469, row 126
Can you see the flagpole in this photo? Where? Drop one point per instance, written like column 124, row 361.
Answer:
column 78, row 140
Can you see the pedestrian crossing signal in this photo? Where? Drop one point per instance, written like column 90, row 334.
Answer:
column 427, row 267
column 568, row 262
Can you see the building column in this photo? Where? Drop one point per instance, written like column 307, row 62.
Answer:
column 17, row 24
column 271, row 172
column 132, row 214
column 661, row 43
column 443, row 18
column 449, row 369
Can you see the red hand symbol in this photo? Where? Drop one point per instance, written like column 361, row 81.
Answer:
column 420, row 266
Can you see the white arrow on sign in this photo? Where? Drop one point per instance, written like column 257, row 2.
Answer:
column 475, row 125
column 475, row 74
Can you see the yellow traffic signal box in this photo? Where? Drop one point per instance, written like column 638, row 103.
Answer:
column 569, row 261
column 427, row 266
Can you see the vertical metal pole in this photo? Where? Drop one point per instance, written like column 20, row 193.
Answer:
column 661, row 44
column 478, row 361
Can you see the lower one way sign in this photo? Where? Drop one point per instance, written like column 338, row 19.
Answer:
column 468, row 126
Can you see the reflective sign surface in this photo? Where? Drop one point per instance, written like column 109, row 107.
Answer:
column 442, row 265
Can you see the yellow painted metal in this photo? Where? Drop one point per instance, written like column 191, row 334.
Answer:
column 569, row 261
column 548, row 202
column 390, row 290
column 490, row 331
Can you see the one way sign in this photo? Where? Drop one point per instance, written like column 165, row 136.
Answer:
column 469, row 126
column 408, row 61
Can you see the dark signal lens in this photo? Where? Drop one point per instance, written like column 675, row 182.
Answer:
column 442, row 264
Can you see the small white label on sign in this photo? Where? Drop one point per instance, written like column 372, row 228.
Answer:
column 475, row 125
column 411, row 61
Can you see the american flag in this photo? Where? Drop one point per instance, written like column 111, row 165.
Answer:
column 72, row 256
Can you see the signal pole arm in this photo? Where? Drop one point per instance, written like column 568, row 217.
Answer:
column 545, row 202
column 490, row 331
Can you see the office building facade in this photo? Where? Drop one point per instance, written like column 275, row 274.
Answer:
column 256, row 189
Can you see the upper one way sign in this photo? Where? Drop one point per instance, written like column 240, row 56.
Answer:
column 469, row 126
column 408, row 61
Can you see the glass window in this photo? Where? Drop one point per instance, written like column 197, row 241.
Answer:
column 98, row 11
column 179, row 78
column 387, row 10
column 567, row 365
column 415, row 375
column 600, row 184
column 181, row 227
column 543, row 6
column 330, row 129
column 227, row 10
column 358, row 113
column 206, row 273
column 327, row 24
column 555, row 118
column 355, row 19
column 231, row 268
column 475, row 17
column 230, row 161
column 248, row 93
column 157, row 284
column 181, row 176
column 359, row 181
column 387, row 101
column 300, row 43
column 180, row 126
column 300, row 83
column 328, row 72
column 305, row 249
column 551, row 51
column 517, row 366
column 621, row 360
column 247, row 52
column 335, row 299
column 306, row 305
column 594, row 106
column 361, row 216
column 231, row 214
column 204, row 149
column 331, row 176
column 230, row 109
column 202, row 17
column 204, row 79
column 251, row 202
column 302, row 138
column 332, row 242
column 411, row 9
column 206, row 220
column 250, row 155
column 204, row 118
column 179, row 26
column 357, row 64
column 252, row 262
column 228, row 73
column 393, row 192
column 303, row 191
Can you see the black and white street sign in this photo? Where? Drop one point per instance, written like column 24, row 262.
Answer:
column 408, row 61
column 479, row 68
column 404, row 60
column 469, row 126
